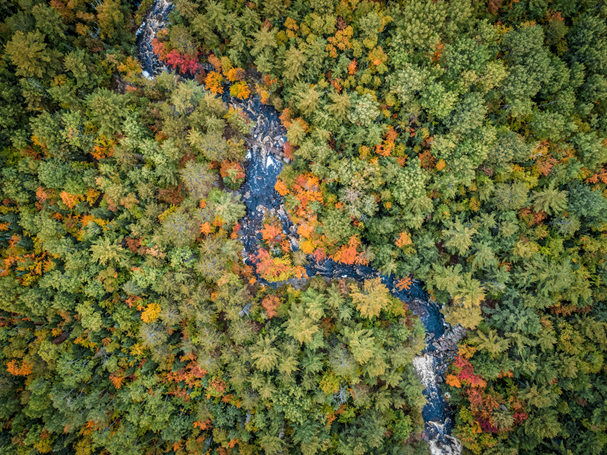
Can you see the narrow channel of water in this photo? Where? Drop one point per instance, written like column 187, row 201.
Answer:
column 263, row 165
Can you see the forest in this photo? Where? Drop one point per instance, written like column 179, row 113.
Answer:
column 457, row 145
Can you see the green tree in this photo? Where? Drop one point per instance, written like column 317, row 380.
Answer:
column 29, row 53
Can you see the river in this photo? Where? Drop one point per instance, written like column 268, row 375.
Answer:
column 264, row 162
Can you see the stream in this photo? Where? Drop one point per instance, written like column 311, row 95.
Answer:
column 264, row 162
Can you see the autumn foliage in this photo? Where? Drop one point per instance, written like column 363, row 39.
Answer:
column 183, row 63
column 17, row 368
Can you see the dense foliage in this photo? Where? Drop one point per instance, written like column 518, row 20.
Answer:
column 459, row 142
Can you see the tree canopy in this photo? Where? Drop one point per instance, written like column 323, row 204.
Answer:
column 461, row 143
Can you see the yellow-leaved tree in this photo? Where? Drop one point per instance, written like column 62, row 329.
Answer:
column 373, row 297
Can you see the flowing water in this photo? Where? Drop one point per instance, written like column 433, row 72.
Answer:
column 264, row 162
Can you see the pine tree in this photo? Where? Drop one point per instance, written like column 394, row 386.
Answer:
column 30, row 54
column 300, row 326
column 294, row 63
column 550, row 200
column 340, row 105
column 309, row 100
column 458, row 238
column 264, row 354
column 107, row 111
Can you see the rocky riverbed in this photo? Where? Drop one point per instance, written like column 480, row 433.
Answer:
column 264, row 162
